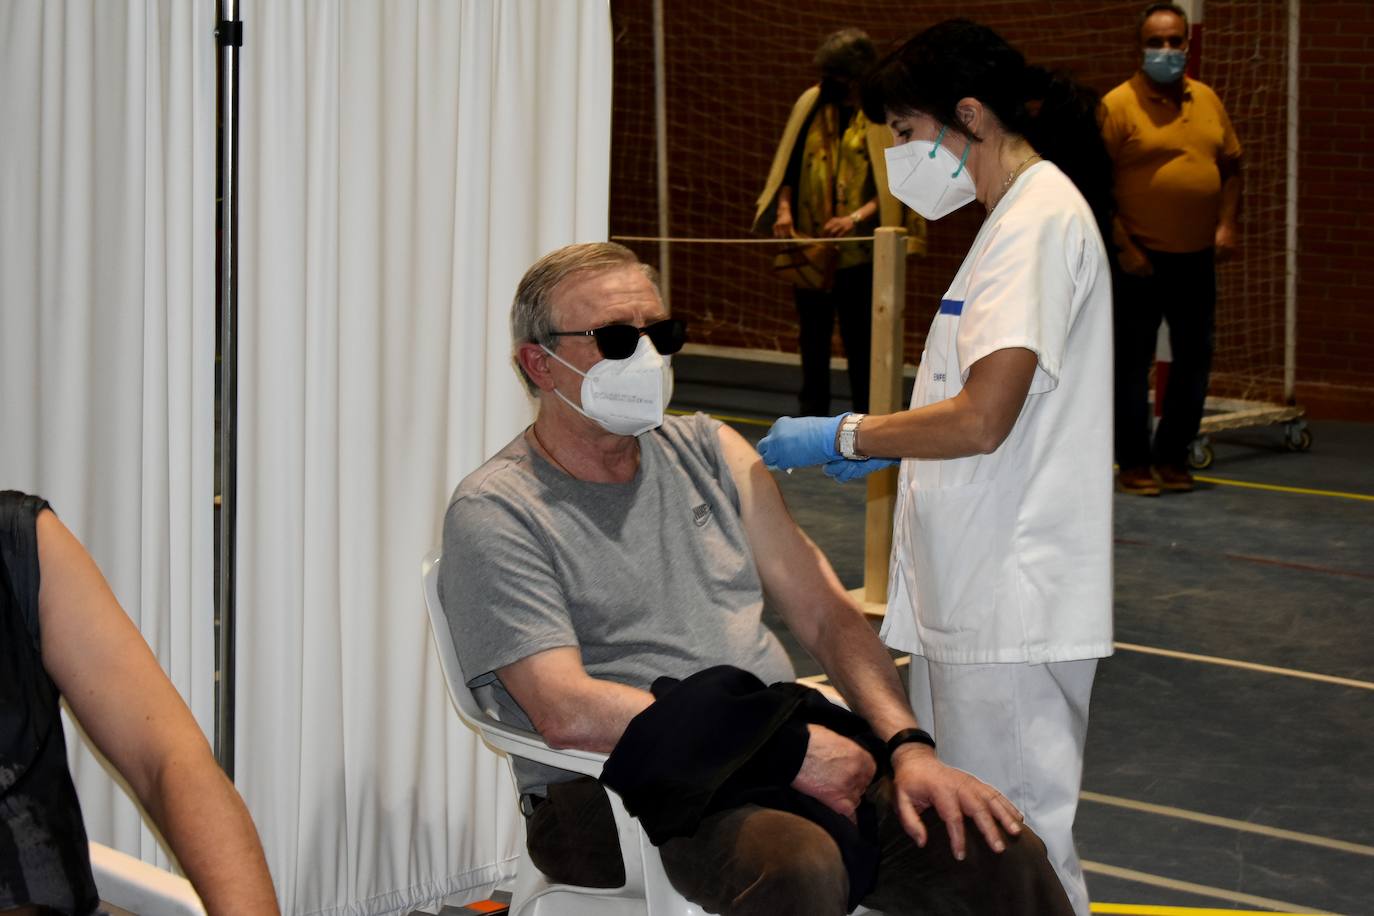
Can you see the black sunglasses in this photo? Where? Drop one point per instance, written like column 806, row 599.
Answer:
column 618, row 341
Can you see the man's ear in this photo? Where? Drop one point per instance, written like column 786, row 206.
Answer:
column 535, row 363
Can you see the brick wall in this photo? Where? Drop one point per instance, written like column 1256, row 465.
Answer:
column 1335, row 197
column 735, row 69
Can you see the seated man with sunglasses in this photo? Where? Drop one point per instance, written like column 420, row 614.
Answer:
column 607, row 546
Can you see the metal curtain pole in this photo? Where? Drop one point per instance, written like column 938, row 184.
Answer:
column 229, row 38
column 661, row 147
column 1290, row 239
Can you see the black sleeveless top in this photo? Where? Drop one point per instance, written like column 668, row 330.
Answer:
column 44, row 857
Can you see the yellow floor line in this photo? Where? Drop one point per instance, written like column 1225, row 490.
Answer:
column 1221, row 481
column 1192, row 657
column 736, row 241
column 1146, row 909
column 1276, row 488
column 1188, row 887
column 1248, row 666
column 722, row 417
column 1229, row 823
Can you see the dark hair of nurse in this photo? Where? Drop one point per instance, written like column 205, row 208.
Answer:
column 959, row 59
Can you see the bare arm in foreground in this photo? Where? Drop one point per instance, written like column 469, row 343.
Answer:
column 125, row 703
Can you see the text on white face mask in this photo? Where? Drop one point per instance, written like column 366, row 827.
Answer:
column 624, row 396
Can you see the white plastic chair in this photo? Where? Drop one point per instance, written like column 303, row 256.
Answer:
column 646, row 892
column 134, row 885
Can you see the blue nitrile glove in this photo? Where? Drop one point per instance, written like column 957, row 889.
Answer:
column 796, row 442
column 844, row 470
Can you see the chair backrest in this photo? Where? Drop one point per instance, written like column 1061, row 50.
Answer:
column 518, row 742
column 468, row 707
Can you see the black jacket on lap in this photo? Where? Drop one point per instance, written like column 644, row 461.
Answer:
column 721, row 739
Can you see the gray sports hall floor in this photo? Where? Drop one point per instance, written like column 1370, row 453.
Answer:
column 1230, row 759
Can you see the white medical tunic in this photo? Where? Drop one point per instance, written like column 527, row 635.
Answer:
column 1007, row 557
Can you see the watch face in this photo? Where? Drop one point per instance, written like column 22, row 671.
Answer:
column 848, row 433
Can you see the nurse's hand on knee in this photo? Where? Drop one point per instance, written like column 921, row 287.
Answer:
column 835, row 772
column 921, row 781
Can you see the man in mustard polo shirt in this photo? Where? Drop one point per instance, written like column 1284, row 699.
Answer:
column 1178, row 186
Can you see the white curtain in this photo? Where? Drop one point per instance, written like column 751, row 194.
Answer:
column 107, row 318
column 401, row 165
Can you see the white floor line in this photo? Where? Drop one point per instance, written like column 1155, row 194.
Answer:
column 1209, row 660
column 1230, row 823
column 1249, row 666
column 1202, row 890
column 877, row 610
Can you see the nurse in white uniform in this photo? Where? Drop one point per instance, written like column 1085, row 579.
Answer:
column 1001, row 584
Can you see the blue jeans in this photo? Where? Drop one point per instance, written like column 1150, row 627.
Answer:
column 1183, row 291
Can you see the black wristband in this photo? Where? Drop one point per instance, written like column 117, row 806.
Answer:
column 909, row 736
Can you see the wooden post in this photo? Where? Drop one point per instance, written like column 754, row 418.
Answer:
column 884, row 396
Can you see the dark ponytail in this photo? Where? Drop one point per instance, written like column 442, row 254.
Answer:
column 959, row 59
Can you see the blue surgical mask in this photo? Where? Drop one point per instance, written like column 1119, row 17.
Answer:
column 1165, row 65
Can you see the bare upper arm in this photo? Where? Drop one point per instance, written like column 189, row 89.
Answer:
column 996, row 391
column 103, row 667
column 541, row 682
column 795, row 573
column 566, row 705
column 767, row 522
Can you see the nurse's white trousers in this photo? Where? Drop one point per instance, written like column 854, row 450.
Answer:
column 1020, row 728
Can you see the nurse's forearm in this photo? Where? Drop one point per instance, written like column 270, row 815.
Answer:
column 942, row 430
column 973, row 422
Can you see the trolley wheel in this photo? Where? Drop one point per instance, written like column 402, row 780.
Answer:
column 1200, row 455
column 1297, row 437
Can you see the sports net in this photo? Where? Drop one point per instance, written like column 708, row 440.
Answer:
column 734, row 70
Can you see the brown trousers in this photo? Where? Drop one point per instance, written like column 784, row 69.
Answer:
column 753, row 861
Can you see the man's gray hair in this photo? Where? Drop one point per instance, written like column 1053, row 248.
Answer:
column 846, row 54
column 1153, row 8
column 531, row 316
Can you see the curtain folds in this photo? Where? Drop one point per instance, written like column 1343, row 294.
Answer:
column 107, row 319
column 401, row 165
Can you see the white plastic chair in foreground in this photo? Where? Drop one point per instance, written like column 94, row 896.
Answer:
column 134, row 885
column 646, row 891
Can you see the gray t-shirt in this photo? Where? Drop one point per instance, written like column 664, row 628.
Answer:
column 647, row 578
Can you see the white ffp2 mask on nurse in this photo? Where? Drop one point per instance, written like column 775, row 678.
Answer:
column 624, row 396
column 928, row 178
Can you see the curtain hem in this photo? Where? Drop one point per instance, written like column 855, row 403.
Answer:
column 419, row 894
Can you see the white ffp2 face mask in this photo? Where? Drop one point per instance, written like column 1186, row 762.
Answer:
column 625, row 396
column 929, row 178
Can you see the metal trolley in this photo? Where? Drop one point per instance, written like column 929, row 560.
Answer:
column 1234, row 413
